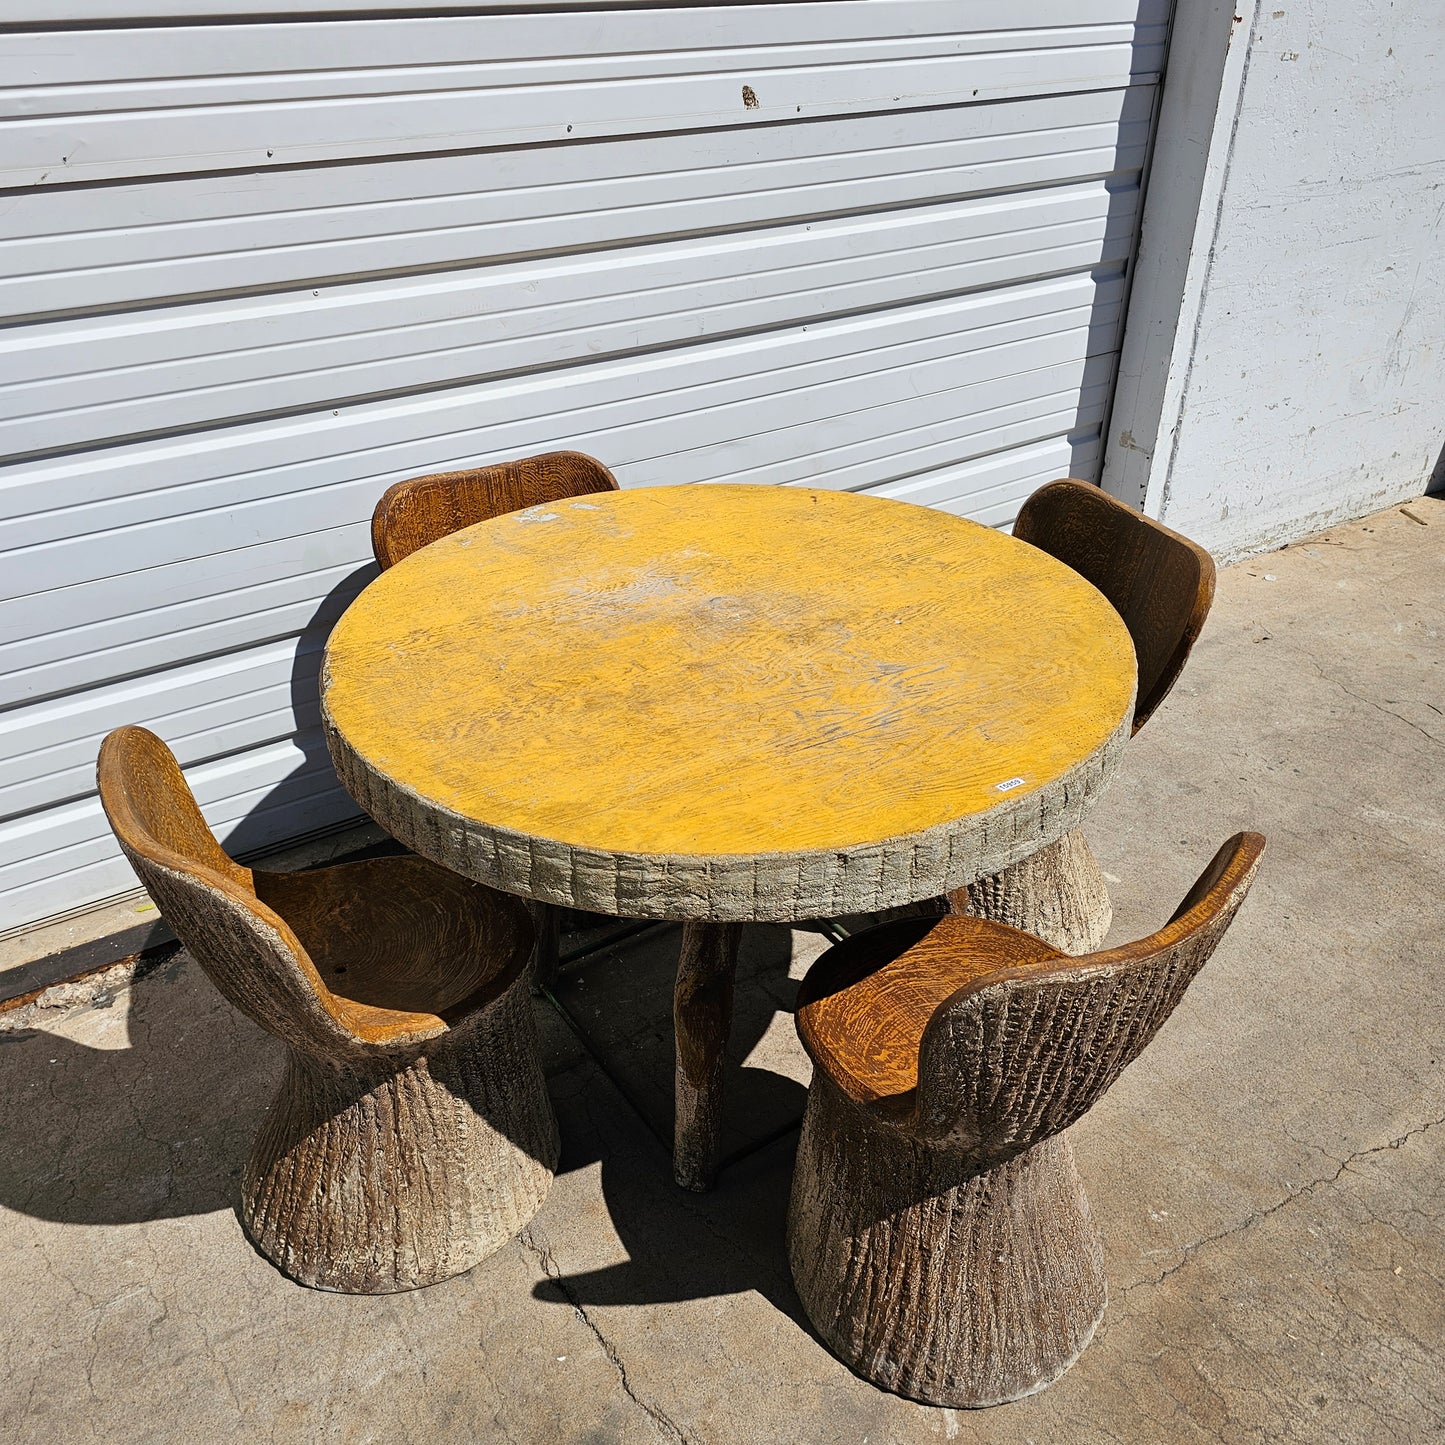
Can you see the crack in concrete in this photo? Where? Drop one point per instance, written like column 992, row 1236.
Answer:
column 1258, row 1215
column 501, row 1425
column 1361, row 697
column 666, row 1426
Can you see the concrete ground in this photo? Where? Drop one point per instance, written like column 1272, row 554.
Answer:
column 1269, row 1177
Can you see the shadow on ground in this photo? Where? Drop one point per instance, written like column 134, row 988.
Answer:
column 143, row 1106
column 680, row 1245
column 619, row 1001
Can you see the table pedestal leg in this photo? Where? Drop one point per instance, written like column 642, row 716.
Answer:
column 702, row 1012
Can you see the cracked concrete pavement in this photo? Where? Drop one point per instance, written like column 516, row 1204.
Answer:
column 1269, row 1177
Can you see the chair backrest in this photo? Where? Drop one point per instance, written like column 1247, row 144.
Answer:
column 1160, row 583
column 248, row 950
column 414, row 513
column 1019, row 1054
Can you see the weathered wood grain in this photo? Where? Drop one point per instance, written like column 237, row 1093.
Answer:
column 728, row 703
column 415, row 513
column 939, row 1236
column 412, row 1135
column 1159, row 582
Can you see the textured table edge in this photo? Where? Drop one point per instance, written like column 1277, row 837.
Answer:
column 785, row 887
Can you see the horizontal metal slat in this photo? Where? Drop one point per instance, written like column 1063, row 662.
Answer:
column 82, row 250
column 339, row 57
column 120, row 12
column 207, row 709
column 71, row 383
column 117, row 146
column 182, row 126
column 66, row 857
column 205, row 616
column 867, row 448
column 991, row 489
column 222, row 471
column 50, row 13
column 193, row 609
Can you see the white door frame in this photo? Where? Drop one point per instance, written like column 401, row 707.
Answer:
column 1198, row 111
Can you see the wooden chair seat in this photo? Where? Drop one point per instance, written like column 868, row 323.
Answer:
column 412, row 1135
column 938, row 1233
column 865, row 1004
column 401, row 936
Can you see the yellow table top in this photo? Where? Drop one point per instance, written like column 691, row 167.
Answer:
column 667, row 675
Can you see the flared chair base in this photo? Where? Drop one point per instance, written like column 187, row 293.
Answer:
column 387, row 1173
column 1057, row 894
column 932, row 1277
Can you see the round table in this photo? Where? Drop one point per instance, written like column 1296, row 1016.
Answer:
column 718, row 704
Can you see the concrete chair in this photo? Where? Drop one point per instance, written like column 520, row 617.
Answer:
column 412, row 1135
column 416, row 512
column 1162, row 585
column 939, row 1236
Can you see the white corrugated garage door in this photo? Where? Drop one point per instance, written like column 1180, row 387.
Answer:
column 257, row 270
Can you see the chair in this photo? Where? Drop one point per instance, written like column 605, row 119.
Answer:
column 1162, row 585
column 412, row 1135
column 416, row 512
column 939, row 1236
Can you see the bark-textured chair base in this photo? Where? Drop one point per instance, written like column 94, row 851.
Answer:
column 412, row 1135
column 407, row 1166
column 372, row 1180
column 939, row 1236
column 925, row 1273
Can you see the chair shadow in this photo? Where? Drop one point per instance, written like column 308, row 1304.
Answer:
column 161, row 1129
column 154, row 1120
column 126, row 1135
column 691, row 1247
column 621, row 1005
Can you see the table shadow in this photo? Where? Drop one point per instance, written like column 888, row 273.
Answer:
column 682, row 1245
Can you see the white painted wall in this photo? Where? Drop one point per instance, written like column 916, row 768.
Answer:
column 1305, row 380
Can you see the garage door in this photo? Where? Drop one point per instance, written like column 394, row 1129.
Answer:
column 256, row 270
